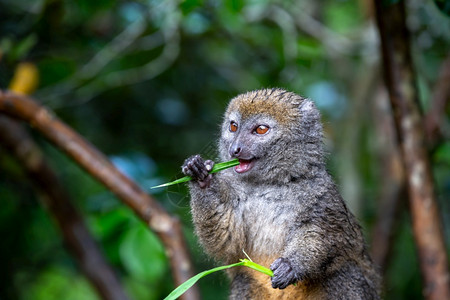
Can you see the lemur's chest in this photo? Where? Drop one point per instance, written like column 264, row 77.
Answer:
column 265, row 219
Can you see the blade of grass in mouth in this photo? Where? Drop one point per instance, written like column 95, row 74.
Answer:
column 217, row 168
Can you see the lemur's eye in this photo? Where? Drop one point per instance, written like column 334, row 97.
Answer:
column 261, row 129
column 233, row 126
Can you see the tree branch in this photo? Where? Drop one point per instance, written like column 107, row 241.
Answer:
column 393, row 178
column 399, row 79
column 95, row 163
column 75, row 233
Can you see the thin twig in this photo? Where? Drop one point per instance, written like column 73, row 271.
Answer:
column 113, row 49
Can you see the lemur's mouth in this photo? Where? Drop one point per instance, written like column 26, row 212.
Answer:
column 244, row 165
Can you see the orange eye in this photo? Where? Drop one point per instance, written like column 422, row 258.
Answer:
column 261, row 129
column 233, row 127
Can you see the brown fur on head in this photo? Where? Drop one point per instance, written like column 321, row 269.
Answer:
column 280, row 104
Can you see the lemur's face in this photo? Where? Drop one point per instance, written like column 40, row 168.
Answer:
column 249, row 139
column 265, row 130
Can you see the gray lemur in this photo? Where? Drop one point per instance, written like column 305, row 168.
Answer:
column 279, row 205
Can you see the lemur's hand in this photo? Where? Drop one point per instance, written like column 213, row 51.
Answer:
column 283, row 273
column 198, row 169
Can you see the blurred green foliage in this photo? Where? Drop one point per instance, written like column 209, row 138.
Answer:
column 147, row 81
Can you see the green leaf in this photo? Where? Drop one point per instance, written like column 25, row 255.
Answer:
column 24, row 46
column 257, row 267
column 191, row 281
column 225, row 165
column 181, row 180
column 217, row 168
column 142, row 254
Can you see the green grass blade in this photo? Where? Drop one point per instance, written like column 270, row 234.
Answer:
column 257, row 267
column 217, row 168
column 181, row 180
column 191, row 281
column 224, row 165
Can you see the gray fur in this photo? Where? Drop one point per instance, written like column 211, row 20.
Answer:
column 286, row 210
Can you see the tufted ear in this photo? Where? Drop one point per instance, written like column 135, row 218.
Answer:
column 307, row 106
column 310, row 119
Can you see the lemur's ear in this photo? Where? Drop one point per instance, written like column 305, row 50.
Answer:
column 307, row 106
column 310, row 119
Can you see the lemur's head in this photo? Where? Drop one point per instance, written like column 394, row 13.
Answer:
column 275, row 134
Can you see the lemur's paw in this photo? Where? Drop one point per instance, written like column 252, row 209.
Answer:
column 198, row 169
column 283, row 273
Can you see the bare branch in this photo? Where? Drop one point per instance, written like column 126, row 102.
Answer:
column 94, row 162
column 75, row 233
column 399, row 79
column 393, row 179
